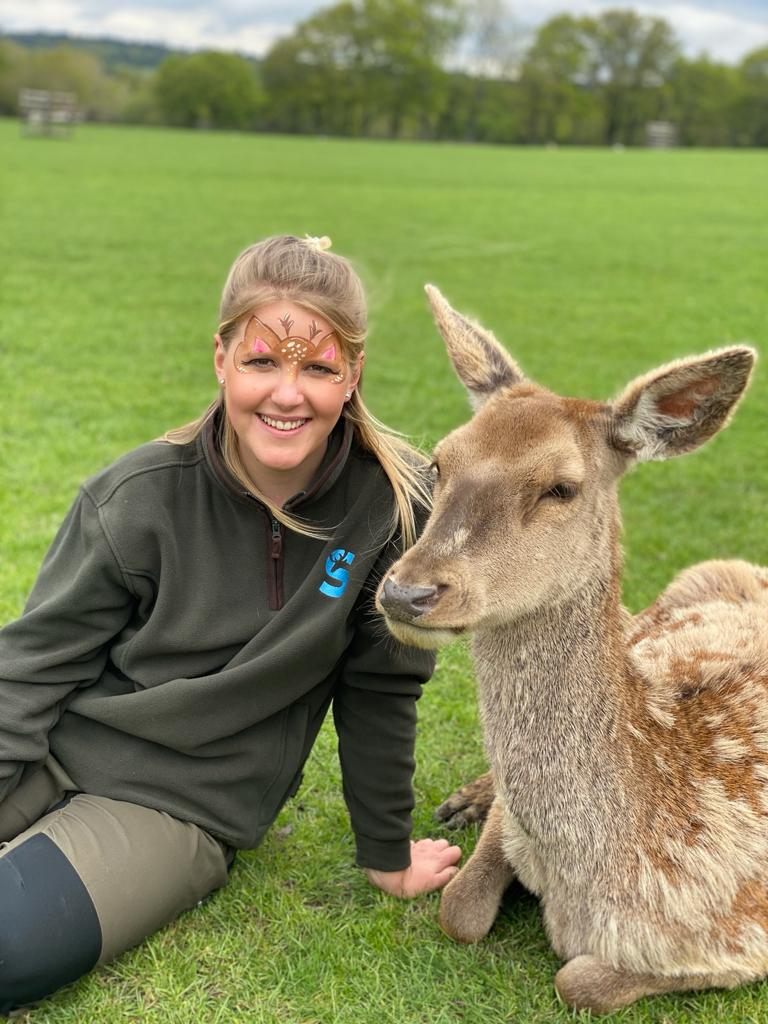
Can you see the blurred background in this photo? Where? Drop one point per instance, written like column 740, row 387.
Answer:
column 471, row 70
column 589, row 180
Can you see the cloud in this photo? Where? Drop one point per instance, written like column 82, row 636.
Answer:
column 718, row 32
column 726, row 30
column 249, row 26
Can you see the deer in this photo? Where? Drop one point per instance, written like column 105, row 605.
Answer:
column 629, row 754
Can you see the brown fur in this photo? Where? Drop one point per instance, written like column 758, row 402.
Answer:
column 630, row 756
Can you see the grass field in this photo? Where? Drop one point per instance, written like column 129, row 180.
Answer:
column 591, row 266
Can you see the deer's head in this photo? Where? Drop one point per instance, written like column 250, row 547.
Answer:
column 526, row 507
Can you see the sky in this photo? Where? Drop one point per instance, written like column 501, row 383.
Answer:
column 725, row 29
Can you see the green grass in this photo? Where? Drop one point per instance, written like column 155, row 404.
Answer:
column 592, row 266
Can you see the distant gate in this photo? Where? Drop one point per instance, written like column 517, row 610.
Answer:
column 47, row 113
column 661, row 134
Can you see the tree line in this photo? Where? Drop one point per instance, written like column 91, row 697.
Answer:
column 425, row 69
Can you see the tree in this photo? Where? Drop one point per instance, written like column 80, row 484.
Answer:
column 13, row 61
column 314, row 78
column 620, row 57
column 488, row 53
column 559, row 82
column 753, row 113
column 59, row 69
column 208, row 90
column 493, row 40
column 634, row 56
column 363, row 67
column 704, row 97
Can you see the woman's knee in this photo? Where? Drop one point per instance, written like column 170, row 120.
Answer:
column 49, row 929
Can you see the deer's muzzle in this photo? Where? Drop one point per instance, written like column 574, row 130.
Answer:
column 405, row 602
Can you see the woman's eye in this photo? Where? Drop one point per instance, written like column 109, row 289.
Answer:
column 322, row 369
column 257, row 362
column 561, row 492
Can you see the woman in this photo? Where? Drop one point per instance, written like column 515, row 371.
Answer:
column 205, row 601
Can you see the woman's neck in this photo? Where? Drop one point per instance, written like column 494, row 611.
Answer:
column 279, row 485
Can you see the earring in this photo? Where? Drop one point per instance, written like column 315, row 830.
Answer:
column 221, row 380
column 348, row 394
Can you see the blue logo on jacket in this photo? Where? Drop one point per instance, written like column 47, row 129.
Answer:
column 335, row 571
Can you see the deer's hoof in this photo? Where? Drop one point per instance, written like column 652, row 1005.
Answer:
column 468, row 805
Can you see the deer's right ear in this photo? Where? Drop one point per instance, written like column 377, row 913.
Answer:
column 680, row 406
column 482, row 365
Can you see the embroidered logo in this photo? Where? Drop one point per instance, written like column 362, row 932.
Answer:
column 335, row 571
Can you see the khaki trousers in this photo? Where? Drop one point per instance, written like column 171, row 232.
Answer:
column 139, row 868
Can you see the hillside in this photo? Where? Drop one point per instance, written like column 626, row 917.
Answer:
column 114, row 53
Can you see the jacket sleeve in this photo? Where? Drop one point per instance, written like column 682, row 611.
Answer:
column 374, row 709
column 79, row 603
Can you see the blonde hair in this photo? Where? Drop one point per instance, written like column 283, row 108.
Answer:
column 303, row 272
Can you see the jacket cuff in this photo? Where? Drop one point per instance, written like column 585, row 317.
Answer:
column 383, row 855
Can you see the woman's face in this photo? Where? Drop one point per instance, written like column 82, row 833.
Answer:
column 285, row 384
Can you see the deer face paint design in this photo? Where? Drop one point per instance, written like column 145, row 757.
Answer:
column 319, row 349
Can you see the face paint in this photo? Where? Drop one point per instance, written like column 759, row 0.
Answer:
column 259, row 339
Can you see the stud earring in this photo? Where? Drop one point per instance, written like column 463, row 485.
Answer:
column 221, row 380
column 348, row 394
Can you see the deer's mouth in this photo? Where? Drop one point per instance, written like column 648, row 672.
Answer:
column 426, row 637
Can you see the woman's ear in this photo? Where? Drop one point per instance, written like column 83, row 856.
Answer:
column 356, row 372
column 219, row 355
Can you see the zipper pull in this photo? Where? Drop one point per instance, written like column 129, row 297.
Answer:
column 277, row 540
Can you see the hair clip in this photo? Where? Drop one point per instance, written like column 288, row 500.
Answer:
column 319, row 244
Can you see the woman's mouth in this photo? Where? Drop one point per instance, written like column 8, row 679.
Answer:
column 282, row 426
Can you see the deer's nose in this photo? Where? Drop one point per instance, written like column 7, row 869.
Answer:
column 406, row 602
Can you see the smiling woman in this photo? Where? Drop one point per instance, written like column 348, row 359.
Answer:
column 207, row 599
column 291, row 282
column 283, row 397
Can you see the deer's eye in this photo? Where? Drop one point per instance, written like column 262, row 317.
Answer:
column 561, row 492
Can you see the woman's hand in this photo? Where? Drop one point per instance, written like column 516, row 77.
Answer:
column 433, row 864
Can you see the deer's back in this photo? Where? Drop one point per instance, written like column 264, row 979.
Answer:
column 707, row 633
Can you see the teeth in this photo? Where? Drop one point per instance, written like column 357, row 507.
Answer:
column 282, row 424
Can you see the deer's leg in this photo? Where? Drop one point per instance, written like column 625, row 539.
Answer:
column 468, row 804
column 586, row 983
column 470, row 902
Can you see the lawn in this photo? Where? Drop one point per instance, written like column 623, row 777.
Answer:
column 592, row 266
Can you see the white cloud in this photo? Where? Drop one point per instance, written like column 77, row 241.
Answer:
column 188, row 24
column 718, row 32
column 726, row 30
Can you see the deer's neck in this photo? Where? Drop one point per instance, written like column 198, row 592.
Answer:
column 554, row 701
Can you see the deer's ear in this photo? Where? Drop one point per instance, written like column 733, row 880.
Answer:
column 481, row 363
column 678, row 407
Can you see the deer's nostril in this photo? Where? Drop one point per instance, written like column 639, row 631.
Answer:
column 407, row 602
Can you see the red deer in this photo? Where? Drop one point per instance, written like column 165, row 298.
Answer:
column 629, row 755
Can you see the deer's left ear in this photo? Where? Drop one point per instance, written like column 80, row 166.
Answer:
column 480, row 362
column 678, row 407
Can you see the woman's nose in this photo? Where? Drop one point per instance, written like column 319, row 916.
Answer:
column 287, row 392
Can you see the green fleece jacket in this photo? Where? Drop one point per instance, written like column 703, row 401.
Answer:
column 180, row 649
